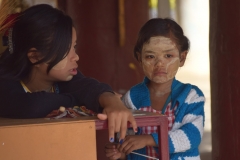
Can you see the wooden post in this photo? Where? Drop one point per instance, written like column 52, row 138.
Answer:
column 225, row 78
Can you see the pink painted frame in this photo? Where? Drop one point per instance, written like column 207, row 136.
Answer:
column 149, row 119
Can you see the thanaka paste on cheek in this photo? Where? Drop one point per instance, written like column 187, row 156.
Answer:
column 174, row 63
column 61, row 65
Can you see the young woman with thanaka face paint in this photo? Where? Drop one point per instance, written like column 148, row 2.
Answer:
column 161, row 49
column 38, row 72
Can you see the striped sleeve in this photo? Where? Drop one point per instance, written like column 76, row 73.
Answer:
column 128, row 101
column 186, row 133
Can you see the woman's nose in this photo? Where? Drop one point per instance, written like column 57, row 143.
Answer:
column 76, row 57
column 159, row 62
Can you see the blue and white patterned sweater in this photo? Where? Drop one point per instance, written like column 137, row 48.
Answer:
column 186, row 133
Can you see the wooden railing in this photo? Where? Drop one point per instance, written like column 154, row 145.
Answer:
column 71, row 138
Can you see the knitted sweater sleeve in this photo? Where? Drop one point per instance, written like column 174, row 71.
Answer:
column 187, row 130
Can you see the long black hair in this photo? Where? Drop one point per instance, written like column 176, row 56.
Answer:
column 161, row 27
column 43, row 27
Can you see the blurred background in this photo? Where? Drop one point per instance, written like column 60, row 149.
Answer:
column 107, row 31
column 193, row 17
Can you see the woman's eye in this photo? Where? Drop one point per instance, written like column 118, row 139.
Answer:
column 168, row 56
column 149, row 56
column 75, row 47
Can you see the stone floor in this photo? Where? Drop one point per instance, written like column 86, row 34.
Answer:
column 205, row 147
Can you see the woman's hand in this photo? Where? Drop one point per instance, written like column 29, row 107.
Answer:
column 134, row 142
column 117, row 114
column 112, row 152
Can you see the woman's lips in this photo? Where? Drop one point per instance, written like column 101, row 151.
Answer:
column 73, row 71
column 160, row 73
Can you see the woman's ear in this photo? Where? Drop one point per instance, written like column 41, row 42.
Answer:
column 183, row 56
column 33, row 55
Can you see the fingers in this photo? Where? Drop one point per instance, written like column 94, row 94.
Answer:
column 115, row 156
column 118, row 124
column 110, row 146
column 102, row 116
column 123, row 130
column 120, row 147
column 111, row 124
column 111, row 128
column 126, row 148
column 128, row 145
column 118, row 95
column 111, row 151
column 114, row 125
column 133, row 122
column 118, row 121
column 121, row 124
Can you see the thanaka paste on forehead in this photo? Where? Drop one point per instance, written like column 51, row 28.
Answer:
column 160, row 44
column 164, row 42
